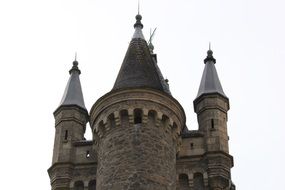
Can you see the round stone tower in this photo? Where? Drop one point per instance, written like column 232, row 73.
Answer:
column 136, row 127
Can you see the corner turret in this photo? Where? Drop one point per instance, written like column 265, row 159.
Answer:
column 70, row 123
column 211, row 106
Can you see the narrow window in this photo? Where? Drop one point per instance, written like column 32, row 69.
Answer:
column 87, row 154
column 66, row 135
column 138, row 116
column 212, row 123
column 183, row 182
column 78, row 185
column 198, row 181
column 92, row 185
column 192, row 145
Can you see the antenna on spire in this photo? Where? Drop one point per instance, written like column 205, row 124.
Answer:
column 138, row 7
column 75, row 59
column 209, row 45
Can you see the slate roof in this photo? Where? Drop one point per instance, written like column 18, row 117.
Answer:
column 139, row 69
column 210, row 82
column 73, row 93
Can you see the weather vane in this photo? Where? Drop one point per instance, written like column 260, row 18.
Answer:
column 151, row 36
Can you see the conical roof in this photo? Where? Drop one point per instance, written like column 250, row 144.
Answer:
column 210, row 82
column 73, row 93
column 139, row 69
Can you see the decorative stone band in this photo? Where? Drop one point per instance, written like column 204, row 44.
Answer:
column 144, row 104
column 71, row 113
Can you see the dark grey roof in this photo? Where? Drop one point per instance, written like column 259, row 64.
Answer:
column 139, row 68
column 210, row 82
column 73, row 93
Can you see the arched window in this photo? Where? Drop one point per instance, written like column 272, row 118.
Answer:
column 78, row 185
column 92, row 185
column 198, row 181
column 183, row 182
column 111, row 121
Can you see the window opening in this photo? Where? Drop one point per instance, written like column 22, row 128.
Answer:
column 66, row 135
column 138, row 117
column 92, row 185
column 87, row 154
column 78, row 185
column 212, row 123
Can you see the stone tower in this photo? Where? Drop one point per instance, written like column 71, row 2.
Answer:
column 137, row 125
column 140, row 139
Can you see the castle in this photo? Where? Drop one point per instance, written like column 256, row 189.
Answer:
column 140, row 139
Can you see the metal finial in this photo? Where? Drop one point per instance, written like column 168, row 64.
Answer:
column 138, row 21
column 209, row 55
column 75, row 65
column 75, row 62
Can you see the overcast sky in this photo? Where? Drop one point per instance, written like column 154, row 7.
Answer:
column 38, row 40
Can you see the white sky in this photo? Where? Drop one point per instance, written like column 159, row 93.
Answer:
column 38, row 40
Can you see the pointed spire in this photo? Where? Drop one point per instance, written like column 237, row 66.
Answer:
column 139, row 69
column 73, row 93
column 210, row 82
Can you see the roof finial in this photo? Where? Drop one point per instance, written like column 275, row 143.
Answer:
column 209, row 55
column 75, row 65
column 138, row 18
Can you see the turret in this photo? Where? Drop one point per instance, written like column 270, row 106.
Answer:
column 70, row 122
column 137, row 125
column 211, row 106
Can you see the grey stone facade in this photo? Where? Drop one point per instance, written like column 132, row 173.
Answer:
column 140, row 139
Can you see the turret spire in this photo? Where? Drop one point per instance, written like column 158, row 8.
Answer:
column 139, row 69
column 210, row 82
column 73, row 93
